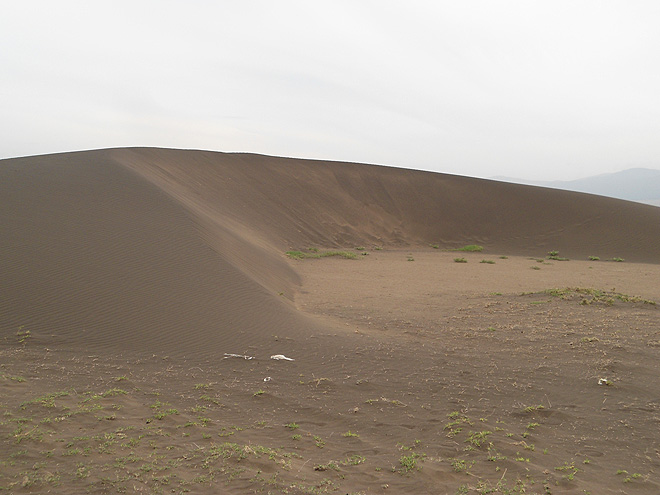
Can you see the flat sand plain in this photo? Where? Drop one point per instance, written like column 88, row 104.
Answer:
column 128, row 275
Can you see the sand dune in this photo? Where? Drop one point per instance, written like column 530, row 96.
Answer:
column 96, row 255
column 173, row 250
column 291, row 202
column 140, row 268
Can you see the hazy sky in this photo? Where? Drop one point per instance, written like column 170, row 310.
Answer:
column 533, row 89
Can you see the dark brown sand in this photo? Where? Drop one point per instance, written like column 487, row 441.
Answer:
column 127, row 274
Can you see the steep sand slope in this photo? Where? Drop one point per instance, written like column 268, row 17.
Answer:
column 292, row 203
column 181, row 252
column 97, row 256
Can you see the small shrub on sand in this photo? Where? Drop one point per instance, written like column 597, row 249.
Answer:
column 409, row 462
column 478, row 438
column 22, row 335
column 460, row 260
column 554, row 255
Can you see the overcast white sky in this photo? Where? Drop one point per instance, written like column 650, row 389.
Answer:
column 531, row 89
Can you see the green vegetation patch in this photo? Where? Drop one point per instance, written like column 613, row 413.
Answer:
column 410, row 461
column 470, row 248
column 554, row 255
column 300, row 255
column 587, row 296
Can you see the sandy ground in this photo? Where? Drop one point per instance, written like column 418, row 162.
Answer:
column 411, row 373
column 439, row 377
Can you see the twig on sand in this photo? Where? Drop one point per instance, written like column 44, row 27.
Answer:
column 281, row 357
column 227, row 355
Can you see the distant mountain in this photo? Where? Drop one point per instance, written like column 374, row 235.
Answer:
column 635, row 184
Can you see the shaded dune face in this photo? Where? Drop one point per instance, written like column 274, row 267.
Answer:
column 293, row 203
column 97, row 256
column 181, row 252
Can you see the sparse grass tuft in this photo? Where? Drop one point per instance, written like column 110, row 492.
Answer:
column 470, row 248
column 409, row 462
column 460, row 260
column 554, row 255
column 590, row 296
column 570, row 468
column 341, row 254
column 18, row 379
column 22, row 335
column 114, row 392
column 299, row 255
column 478, row 438
column 461, row 465
column 47, row 400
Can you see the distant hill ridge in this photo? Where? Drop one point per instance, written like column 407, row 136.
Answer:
column 634, row 184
